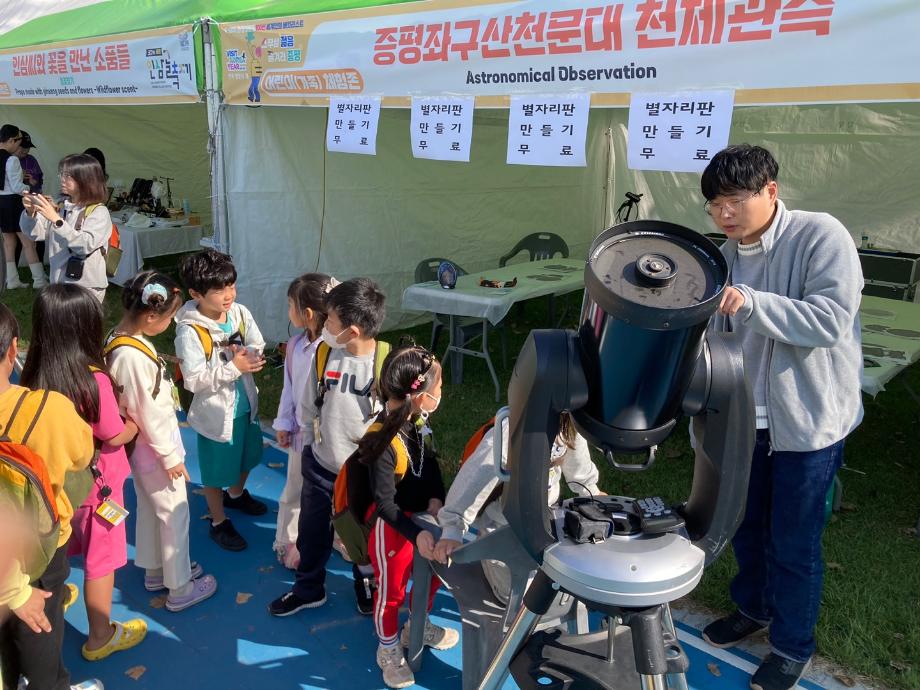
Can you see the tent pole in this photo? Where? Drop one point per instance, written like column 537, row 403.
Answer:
column 221, row 239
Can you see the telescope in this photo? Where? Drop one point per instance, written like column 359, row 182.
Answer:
column 640, row 360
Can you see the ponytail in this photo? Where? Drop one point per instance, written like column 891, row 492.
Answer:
column 372, row 445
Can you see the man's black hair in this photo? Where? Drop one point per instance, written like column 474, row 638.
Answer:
column 8, row 132
column 738, row 168
column 358, row 302
column 206, row 270
column 9, row 328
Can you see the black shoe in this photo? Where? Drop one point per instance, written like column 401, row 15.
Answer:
column 289, row 603
column 364, row 591
column 245, row 502
column 227, row 537
column 729, row 631
column 778, row 673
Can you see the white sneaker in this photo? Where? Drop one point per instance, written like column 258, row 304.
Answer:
column 436, row 637
column 91, row 684
column 396, row 672
column 38, row 283
column 13, row 283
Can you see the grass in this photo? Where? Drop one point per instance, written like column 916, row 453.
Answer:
column 870, row 619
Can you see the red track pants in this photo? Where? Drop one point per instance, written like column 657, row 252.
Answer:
column 391, row 555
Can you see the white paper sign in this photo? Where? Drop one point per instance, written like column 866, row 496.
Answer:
column 442, row 128
column 352, row 126
column 548, row 130
column 678, row 132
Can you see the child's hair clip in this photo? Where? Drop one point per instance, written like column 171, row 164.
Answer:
column 153, row 289
column 331, row 284
column 419, row 380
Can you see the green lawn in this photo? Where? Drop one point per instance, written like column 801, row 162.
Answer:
column 870, row 622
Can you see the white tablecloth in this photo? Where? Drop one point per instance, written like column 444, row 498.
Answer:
column 535, row 279
column 138, row 244
column 890, row 339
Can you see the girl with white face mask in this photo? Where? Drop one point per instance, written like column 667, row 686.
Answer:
column 387, row 490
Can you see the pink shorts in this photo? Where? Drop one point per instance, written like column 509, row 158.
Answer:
column 104, row 547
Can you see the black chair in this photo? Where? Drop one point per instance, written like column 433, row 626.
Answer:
column 540, row 246
column 466, row 329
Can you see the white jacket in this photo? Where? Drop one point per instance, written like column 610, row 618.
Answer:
column 158, row 441
column 477, row 478
column 214, row 381
column 89, row 243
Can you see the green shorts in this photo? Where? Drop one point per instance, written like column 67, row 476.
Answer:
column 222, row 463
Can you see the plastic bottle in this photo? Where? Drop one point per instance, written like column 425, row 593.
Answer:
column 186, row 210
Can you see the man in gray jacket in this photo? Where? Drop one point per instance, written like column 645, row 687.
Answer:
column 794, row 294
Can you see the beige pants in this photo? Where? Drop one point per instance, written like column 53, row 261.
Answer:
column 289, row 503
column 161, row 539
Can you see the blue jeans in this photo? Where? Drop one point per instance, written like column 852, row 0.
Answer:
column 778, row 545
column 314, row 527
column 253, row 93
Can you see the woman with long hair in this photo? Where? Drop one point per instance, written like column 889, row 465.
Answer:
column 66, row 356
column 77, row 236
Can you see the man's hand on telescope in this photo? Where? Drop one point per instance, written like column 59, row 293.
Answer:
column 732, row 301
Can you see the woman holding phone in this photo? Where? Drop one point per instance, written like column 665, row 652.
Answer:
column 77, row 236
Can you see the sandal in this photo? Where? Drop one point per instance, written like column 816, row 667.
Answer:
column 128, row 634
column 202, row 588
column 71, row 594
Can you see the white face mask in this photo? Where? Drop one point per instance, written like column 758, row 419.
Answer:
column 425, row 413
column 332, row 339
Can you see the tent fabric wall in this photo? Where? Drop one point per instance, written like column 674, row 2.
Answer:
column 858, row 162
column 293, row 207
column 378, row 216
column 153, row 140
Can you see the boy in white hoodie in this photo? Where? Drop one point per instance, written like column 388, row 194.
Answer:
column 219, row 347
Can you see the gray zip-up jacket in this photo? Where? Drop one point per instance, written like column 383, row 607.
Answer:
column 810, row 313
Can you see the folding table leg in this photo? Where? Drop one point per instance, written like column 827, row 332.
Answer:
column 485, row 355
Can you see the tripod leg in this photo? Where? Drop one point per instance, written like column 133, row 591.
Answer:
column 537, row 601
column 676, row 681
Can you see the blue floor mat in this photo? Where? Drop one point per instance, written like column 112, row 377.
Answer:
column 231, row 642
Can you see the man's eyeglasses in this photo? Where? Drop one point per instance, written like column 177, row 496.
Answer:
column 730, row 205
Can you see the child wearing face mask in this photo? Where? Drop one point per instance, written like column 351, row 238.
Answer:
column 391, row 476
column 306, row 297
column 338, row 406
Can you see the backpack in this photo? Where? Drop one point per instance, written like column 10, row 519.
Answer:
column 469, row 449
column 139, row 345
column 26, row 487
column 207, row 344
column 381, row 350
column 351, row 499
